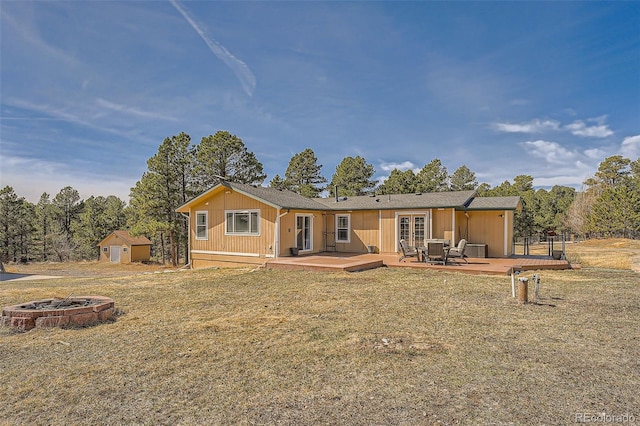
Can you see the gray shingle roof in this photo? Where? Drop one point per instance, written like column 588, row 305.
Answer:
column 495, row 203
column 278, row 198
column 285, row 199
column 401, row 201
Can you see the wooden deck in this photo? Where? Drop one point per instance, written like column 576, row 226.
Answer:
column 352, row 262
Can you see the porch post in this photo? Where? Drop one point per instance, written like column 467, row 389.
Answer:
column 276, row 236
column 506, row 233
column 453, row 227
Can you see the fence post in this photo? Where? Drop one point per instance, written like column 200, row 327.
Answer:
column 523, row 284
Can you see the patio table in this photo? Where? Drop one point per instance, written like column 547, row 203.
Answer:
column 434, row 252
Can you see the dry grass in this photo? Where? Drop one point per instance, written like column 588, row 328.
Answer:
column 387, row 346
column 84, row 268
column 615, row 253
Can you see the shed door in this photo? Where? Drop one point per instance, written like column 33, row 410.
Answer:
column 115, row 254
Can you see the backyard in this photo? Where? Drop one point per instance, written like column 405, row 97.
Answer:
column 385, row 346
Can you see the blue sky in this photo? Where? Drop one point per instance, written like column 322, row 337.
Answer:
column 89, row 90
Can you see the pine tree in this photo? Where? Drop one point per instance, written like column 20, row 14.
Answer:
column 160, row 191
column 16, row 226
column 303, row 174
column 66, row 206
column 277, row 182
column 432, row 178
column 9, row 207
column 463, row 179
column 44, row 226
column 399, row 182
column 224, row 155
column 353, row 177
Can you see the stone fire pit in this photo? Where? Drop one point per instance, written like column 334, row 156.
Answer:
column 70, row 312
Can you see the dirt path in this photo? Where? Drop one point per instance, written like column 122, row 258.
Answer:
column 7, row 276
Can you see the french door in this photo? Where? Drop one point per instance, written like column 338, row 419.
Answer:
column 304, row 232
column 412, row 229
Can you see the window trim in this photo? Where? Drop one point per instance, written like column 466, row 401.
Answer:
column 338, row 228
column 206, row 224
column 250, row 212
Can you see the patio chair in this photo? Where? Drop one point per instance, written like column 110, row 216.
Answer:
column 407, row 251
column 436, row 253
column 457, row 252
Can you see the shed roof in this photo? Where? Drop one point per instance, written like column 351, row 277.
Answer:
column 125, row 236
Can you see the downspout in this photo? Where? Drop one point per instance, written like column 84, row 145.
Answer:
column 188, row 264
column 276, row 237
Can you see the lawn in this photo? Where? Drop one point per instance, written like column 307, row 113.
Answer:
column 386, row 346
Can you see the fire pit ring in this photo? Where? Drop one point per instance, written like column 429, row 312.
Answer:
column 77, row 311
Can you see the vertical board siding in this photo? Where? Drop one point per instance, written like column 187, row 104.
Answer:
column 364, row 231
column 140, row 253
column 442, row 226
column 487, row 228
column 288, row 231
column 216, row 206
column 388, row 230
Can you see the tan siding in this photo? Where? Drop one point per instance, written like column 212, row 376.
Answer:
column 388, row 231
column 140, row 253
column 216, row 206
column 364, row 231
column 442, row 226
column 114, row 241
column 288, row 231
column 487, row 228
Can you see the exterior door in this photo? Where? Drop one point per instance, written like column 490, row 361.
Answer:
column 114, row 254
column 304, row 232
column 412, row 229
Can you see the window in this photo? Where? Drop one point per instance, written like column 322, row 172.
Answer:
column 243, row 222
column 125, row 249
column 105, row 249
column 343, row 228
column 201, row 225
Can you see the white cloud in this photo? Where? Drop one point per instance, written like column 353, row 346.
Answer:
column 552, row 152
column 599, row 130
column 578, row 128
column 534, row 126
column 595, row 153
column 239, row 68
column 630, row 147
column 406, row 165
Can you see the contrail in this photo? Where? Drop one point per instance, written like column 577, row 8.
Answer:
column 239, row 68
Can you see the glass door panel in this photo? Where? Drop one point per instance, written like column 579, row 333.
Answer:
column 303, row 232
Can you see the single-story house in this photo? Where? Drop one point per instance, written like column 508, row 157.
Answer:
column 122, row 247
column 250, row 224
